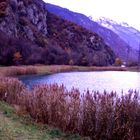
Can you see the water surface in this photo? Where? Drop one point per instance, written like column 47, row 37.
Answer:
column 107, row 80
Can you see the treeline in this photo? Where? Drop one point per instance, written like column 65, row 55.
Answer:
column 14, row 51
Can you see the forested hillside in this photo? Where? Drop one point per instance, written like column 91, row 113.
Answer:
column 29, row 35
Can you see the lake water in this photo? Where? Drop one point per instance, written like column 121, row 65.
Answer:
column 98, row 81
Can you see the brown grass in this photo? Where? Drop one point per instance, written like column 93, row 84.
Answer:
column 20, row 70
column 98, row 115
column 47, row 69
column 42, row 69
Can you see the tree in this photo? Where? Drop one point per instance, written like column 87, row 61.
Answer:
column 118, row 62
column 17, row 58
column 71, row 62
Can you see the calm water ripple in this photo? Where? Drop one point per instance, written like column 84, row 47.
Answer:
column 107, row 80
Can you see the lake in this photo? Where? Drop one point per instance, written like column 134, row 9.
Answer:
column 97, row 81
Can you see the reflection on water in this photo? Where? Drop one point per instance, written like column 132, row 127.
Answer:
column 109, row 80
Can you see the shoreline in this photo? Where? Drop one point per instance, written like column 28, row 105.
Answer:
column 50, row 69
column 33, row 104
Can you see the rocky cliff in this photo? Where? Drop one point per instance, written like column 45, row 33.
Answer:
column 29, row 34
column 21, row 18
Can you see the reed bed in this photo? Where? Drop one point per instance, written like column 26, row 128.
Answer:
column 42, row 69
column 100, row 116
column 22, row 70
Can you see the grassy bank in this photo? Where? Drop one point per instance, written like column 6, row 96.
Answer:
column 41, row 69
column 15, row 127
column 95, row 115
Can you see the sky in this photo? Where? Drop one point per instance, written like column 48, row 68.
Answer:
column 117, row 10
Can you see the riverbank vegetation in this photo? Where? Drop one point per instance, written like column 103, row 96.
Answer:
column 15, row 127
column 43, row 69
column 95, row 115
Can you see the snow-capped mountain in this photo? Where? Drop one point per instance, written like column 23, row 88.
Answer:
column 126, row 32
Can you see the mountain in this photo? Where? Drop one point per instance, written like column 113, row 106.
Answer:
column 29, row 34
column 119, row 45
column 126, row 32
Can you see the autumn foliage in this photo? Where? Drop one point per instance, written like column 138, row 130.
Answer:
column 118, row 62
column 66, row 43
column 3, row 6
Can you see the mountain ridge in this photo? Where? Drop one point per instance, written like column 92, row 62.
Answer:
column 127, row 32
column 118, row 45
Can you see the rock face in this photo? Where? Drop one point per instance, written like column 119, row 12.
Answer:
column 18, row 18
column 29, row 35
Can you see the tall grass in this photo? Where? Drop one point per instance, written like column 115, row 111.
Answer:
column 101, row 116
column 11, row 90
column 21, row 70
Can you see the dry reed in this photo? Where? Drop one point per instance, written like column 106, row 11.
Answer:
column 101, row 116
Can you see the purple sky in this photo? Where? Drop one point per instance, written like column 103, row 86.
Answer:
column 118, row 10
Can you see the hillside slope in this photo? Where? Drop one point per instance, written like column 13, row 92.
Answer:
column 29, row 35
column 119, row 46
column 82, row 46
column 126, row 32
